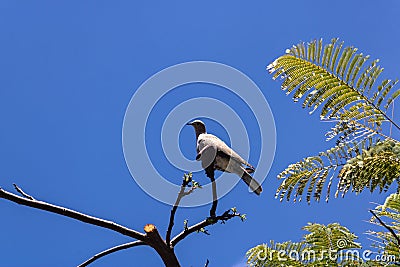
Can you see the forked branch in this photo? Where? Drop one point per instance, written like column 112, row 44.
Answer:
column 199, row 227
column 151, row 237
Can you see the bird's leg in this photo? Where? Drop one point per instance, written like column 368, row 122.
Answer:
column 213, row 209
column 210, row 174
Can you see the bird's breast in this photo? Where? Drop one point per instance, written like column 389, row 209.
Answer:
column 202, row 142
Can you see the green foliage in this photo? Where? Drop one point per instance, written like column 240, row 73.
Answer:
column 339, row 82
column 376, row 167
column 324, row 245
column 334, row 78
column 366, row 164
column 334, row 237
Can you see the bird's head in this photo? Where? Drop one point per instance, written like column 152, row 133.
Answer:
column 198, row 126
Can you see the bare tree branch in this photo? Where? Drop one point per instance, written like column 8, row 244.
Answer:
column 387, row 227
column 151, row 237
column 112, row 250
column 181, row 194
column 72, row 214
column 227, row 215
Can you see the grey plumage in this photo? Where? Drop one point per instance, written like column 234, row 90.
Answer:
column 212, row 150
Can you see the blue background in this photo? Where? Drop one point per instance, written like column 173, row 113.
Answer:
column 67, row 72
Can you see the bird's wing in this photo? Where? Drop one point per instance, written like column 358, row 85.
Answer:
column 222, row 149
column 224, row 163
column 250, row 181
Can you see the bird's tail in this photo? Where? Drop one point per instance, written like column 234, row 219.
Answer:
column 252, row 183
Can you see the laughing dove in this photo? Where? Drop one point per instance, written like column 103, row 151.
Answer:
column 212, row 150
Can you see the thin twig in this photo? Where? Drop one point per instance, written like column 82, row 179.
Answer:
column 22, row 192
column 387, row 227
column 227, row 215
column 391, row 125
column 383, row 113
column 181, row 194
column 112, row 250
column 186, row 193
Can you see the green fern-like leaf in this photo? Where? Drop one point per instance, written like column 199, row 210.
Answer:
column 376, row 167
column 334, row 237
column 367, row 164
column 339, row 82
column 336, row 80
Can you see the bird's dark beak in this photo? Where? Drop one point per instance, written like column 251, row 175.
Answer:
column 189, row 123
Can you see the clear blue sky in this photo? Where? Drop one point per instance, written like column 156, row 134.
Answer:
column 67, row 72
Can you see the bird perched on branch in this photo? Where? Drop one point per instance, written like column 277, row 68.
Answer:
column 216, row 155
